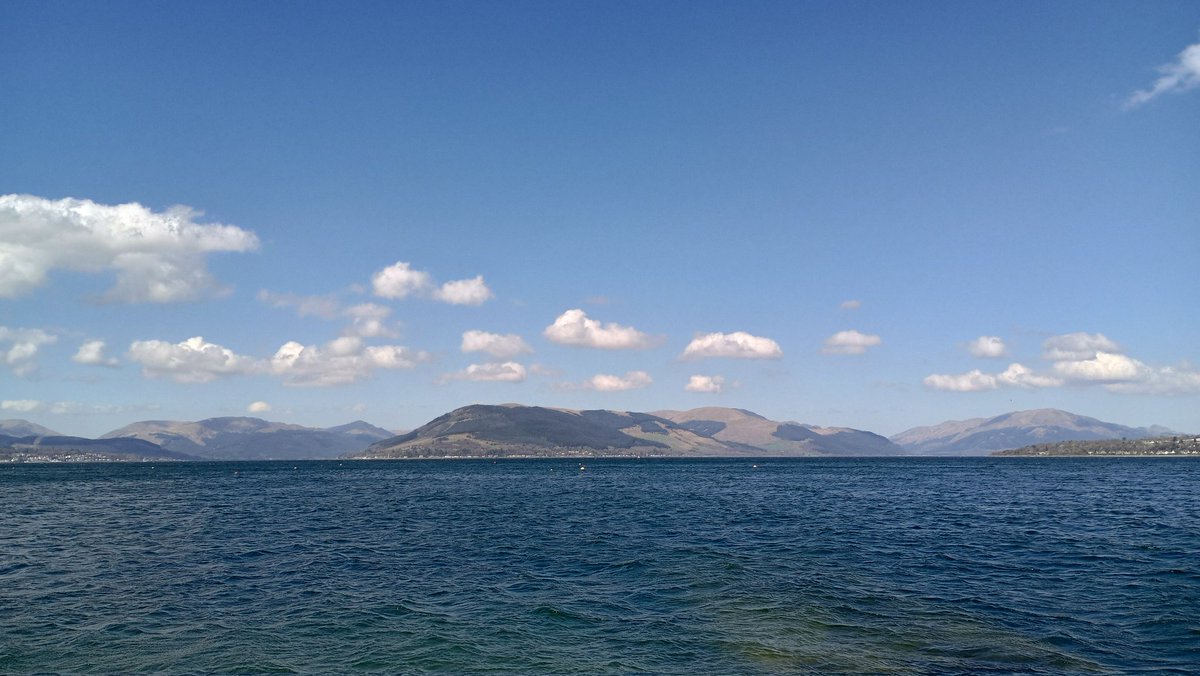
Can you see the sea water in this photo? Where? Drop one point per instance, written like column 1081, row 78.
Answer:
column 810, row 565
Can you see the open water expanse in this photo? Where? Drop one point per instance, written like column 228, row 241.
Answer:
column 813, row 565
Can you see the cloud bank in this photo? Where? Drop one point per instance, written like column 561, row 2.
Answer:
column 92, row 353
column 603, row 382
column 158, row 257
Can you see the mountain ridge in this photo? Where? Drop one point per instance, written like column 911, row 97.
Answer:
column 1015, row 429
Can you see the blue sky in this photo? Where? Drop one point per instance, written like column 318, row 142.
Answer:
column 875, row 215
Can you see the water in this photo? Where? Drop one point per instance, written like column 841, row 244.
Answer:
column 861, row 565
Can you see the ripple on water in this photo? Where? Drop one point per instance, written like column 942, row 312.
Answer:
column 898, row 566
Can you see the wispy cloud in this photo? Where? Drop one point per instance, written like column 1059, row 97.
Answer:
column 496, row 372
column 158, row 257
column 19, row 348
column 850, row 342
column 603, row 382
column 1179, row 76
column 499, row 346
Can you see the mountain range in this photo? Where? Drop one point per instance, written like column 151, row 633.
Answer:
column 242, row 438
column 982, row 436
column 515, row 430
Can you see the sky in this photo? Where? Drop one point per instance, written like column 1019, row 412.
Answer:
column 865, row 214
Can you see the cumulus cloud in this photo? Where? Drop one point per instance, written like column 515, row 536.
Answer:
column 194, row 360
column 400, row 280
column 367, row 321
column 1016, row 375
column 706, row 384
column 258, row 407
column 1077, row 346
column 573, row 327
column 850, row 342
column 603, row 382
column 464, row 292
column 502, row 372
column 1102, row 367
column 342, row 361
column 92, row 353
column 988, row 347
column 1081, row 360
column 852, row 304
column 736, row 345
column 1181, row 75
column 19, row 347
column 499, row 346
column 325, row 307
column 158, row 257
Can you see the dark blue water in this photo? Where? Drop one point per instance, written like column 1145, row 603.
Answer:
column 899, row 566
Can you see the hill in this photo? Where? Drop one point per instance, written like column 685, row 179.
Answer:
column 24, row 428
column 739, row 426
column 981, row 436
column 513, row 430
column 533, row 431
column 1156, row 446
column 57, row 448
column 242, row 438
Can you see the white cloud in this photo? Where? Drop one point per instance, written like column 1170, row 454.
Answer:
column 988, row 347
column 92, row 353
column 1016, row 375
column 367, row 321
column 1077, row 346
column 19, row 348
column 850, row 342
column 1180, row 76
column 258, row 407
column 400, row 280
column 464, row 292
column 66, row 407
column 325, row 307
column 603, row 382
column 499, row 346
column 192, row 361
column 342, row 361
column 573, row 327
column 157, row 257
column 736, row 345
column 852, row 304
column 1168, row 381
column 707, row 384
column 1103, row 367
column 22, row 405
column 972, row 381
column 503, row 372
